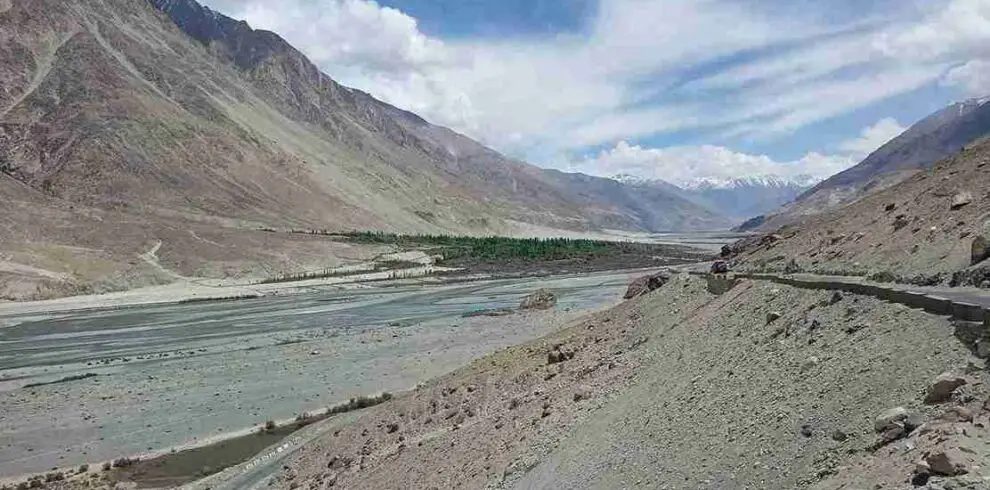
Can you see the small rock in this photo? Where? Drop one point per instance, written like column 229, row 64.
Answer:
column 773, row 316
column 646, row 284
column 582, row 393
column 913, row 421
column 839, row 436
column 809, row 364
column 942, row 387
column 560, row 353
column 806, row 431
column 890, row 207
column 890, row 418
column 947, row 463
column 893, row 433
column 983, row 348
column 979, row 250
column 962, row 199
column 957, row 414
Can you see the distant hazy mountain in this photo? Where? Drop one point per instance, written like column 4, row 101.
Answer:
column 938, row 136
column 737, row 198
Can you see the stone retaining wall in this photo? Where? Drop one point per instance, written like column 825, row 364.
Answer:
column 933, row 304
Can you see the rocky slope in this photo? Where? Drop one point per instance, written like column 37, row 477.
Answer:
column 936, row 137
column 123, row 118
column 765, row 386
column 922, row 230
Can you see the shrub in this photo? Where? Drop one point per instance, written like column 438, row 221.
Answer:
column 83, row 468
column 883, row 276
column 359, row 403
column 124, row 462
column 304, row 419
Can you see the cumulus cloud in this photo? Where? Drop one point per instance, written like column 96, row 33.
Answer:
column 356, row 34
column 950, row 28
column 872, row 137
column 689, row 165
column 645, row 67
column 973, row 78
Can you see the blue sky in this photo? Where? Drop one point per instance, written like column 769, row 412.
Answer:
column 674, row 89
column 453, row 19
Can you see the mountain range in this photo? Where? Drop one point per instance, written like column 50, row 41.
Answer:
column 737, row 198
column 124, row 123
column 938, row 136
column 145, row 140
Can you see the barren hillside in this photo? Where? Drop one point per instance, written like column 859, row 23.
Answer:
column 679, row 389
column 938, row 136
column 921, row 230
column 123, row 118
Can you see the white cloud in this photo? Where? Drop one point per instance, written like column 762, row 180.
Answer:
column 873, row 137
column 730, row 69
column 950, row 28
column 356, row 34
column 686, row 165
column 973, row 78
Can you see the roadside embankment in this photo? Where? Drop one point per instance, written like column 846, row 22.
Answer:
column 765, row 386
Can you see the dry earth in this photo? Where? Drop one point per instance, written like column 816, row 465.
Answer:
column 678, row 389
column 915, row 231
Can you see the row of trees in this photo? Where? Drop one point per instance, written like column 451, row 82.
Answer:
column 494, row 247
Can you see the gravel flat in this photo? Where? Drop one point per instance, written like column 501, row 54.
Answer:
column 171, row 376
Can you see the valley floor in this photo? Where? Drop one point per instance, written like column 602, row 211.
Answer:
column 764, row 386
column 85, row 386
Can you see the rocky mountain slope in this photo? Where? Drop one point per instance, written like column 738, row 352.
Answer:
column 678, row 389
column 936, row 137
column 121, row 119
column 929, row 229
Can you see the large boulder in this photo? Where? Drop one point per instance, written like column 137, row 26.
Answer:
column 962, row 199
column 950, row 462
column 941, row 388
column 544, row 299
column 646, row 284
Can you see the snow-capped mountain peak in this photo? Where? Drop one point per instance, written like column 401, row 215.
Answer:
column 759, row 181
column 740, row 197
column 704, row 183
